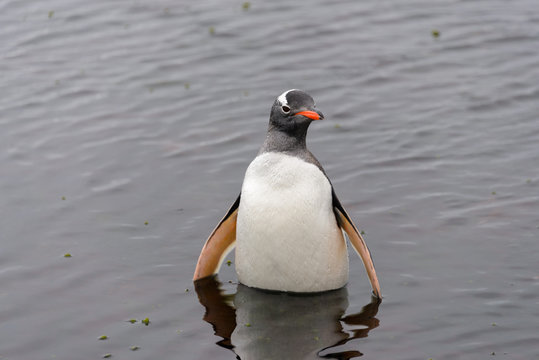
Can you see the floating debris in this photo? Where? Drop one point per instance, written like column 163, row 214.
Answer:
column 493, row 193
column 362, row 232
column 103, row 337
column 337, row 126
column 212, row 30
column 63, row 197
column 246, row 5
column 146, row 321
column 435, row 33
column 186, row 290
column 132, row 321
column 67, row 255
column 145, row 223
column 107, row 356
column 51, row 14
column 248, row 324
column 228, row 263
column 187, row 86
column 134, row 348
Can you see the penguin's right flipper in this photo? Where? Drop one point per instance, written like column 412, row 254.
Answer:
column 221, row 241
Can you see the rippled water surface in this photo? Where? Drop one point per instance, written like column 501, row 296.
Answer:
column 126, row 128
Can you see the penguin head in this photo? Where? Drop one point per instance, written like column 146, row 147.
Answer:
column 293, row 111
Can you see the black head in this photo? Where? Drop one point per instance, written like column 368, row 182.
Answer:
column 293, row 111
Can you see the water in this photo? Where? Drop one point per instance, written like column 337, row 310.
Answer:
column 127, row 127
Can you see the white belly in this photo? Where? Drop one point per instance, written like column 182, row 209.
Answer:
column 287, row 238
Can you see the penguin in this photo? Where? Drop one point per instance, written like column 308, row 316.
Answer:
column 287, row 225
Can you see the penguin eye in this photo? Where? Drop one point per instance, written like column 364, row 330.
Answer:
column 285, row 109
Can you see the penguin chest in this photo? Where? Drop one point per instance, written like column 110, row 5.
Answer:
column 287, row 237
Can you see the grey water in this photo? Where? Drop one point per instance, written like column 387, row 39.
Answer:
column 126, row 128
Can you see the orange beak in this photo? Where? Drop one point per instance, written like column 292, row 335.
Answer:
column 313, row 115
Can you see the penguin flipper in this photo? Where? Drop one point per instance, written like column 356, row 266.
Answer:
column 358, row 243
column 221, row 241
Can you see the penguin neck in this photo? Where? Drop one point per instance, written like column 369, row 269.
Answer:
column 278, row 140
column 289, row 143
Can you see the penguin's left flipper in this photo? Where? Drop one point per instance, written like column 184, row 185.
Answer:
column 358, row 243
column 221, row 241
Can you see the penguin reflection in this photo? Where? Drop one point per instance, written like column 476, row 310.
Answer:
column 257, row 325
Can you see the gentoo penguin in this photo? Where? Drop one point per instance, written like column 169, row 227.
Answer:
column 287, row 223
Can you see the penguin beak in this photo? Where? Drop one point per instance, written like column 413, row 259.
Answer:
column 313, row 115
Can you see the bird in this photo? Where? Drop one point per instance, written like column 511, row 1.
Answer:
column 287, row 225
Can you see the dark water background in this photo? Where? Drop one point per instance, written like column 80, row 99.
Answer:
column 126, row 127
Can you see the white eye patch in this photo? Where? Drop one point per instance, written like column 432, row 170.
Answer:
column 282, row 97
